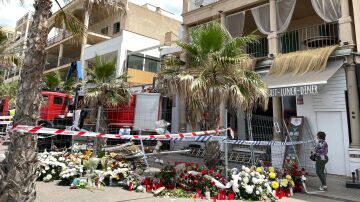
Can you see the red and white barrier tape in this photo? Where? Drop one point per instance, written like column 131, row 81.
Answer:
column 43, row 130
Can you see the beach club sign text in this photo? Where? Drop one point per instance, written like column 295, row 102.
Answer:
column 294, row 90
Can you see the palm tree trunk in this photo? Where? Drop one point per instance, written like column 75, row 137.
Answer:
column 17, row 175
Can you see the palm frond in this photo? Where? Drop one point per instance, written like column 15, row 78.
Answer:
column 219, row 71
column 109, row 90
column 72, row 24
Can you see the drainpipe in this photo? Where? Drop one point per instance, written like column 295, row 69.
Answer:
column 353, row 103
column 356, row 9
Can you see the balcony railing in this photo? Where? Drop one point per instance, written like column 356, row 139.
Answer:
column 53, row 61
column 106, row 31
column 259, row 48
column 315, row 36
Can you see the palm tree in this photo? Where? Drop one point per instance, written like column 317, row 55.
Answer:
column 105, row 90
column 17, row 175
column 218, row 70
column 55, row 81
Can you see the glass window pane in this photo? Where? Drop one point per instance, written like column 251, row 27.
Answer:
column 58, row 100
column 135, row 62
column 116, row 28
column 152, row 65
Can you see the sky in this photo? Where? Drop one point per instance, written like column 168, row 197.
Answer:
column 12, row 11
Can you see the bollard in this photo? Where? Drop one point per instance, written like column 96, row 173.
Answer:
column 357, row 174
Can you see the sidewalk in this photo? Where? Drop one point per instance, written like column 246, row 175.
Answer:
column 336, row 189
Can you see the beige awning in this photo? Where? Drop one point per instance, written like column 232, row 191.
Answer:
column 289, row 84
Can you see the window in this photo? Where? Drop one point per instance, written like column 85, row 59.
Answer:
column 116, row 28
column 58, row 100
column 152, row 64
column 136, row 61
column 105, row 31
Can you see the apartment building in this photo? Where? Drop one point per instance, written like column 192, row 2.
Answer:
column 140, row 31
column 133, row 37
column 329, row 99
column 10, row 33
column 18, row 44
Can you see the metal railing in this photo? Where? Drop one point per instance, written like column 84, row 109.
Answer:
column 316, row 36
column 106, row 31
column 259, row 48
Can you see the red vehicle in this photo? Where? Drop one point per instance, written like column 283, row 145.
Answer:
column 122, row 116
column 54, row 110
column 4, row 106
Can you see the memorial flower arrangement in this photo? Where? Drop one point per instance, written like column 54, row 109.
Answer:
column 50, row 166
column 298, row 175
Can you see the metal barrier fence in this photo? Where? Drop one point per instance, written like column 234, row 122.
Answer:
column 252, row 144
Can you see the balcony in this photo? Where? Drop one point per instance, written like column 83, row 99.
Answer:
column 53, row 62
column 316, row 36
column 258, row 49
column 94, row 36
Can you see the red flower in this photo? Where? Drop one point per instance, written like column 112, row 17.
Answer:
column 203, row 172
column 303, row 169
column 212, row 183
column 218, row 175
column 211, row 171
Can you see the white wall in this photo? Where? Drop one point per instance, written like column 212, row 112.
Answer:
column 331, row 98
column 103, row 48
column 135, row 42
column 128, row 41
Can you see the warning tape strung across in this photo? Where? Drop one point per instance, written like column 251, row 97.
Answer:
column 43, row 130
column 267, row 143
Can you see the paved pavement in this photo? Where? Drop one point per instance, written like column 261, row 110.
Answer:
column 336, row 189
column 51, row 192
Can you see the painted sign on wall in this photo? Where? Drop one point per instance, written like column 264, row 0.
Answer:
column 292, row 91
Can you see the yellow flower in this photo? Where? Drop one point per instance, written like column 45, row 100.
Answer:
column 284, row 182
column 272, row 175
column 271, row 169
column 275, row 185
column 288, row 177
column 292, row 183
column 259, row 169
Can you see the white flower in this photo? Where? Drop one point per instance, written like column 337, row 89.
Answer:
column 260, row 189
column 246, row 180
column 47, row 168
column 247, row 170
column 249, row 189
column 43, row 171
column 252, row 174
column 303, row 178
column 52, row 171
column 255, row 180
column 269, row 190
column 257, row 192
column 62, row 159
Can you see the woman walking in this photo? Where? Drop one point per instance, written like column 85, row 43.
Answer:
column 321, row 151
